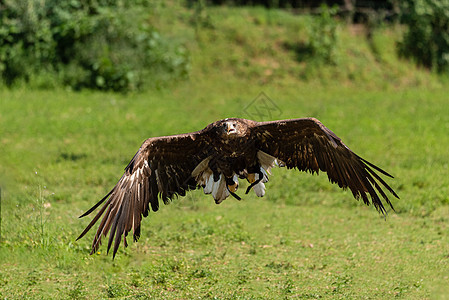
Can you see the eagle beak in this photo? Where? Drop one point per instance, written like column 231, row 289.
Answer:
column 230, row 129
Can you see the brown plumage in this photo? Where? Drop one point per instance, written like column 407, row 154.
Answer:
column 215, row 157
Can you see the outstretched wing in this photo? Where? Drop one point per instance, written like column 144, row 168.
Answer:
column 160, row 169
column 308, row 145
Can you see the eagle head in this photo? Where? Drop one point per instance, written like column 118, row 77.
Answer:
column 230, row 128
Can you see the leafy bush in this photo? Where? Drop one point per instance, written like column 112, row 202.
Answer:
column 323, row 38
column 427, row 38
column 103, row 44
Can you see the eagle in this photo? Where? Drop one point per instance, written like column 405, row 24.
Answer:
column 216, row 157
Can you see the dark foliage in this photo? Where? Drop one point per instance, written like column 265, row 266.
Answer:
column 322, row 43
column 101, row 44
column 427, row 38
column 380, row 4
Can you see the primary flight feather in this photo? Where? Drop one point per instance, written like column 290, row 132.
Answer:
column 216, row 157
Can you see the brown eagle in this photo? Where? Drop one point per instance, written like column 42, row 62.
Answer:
column 217, row 156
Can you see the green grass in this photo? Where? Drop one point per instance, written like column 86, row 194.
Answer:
column 61, row 151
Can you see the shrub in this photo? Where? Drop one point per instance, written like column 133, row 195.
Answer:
column 25, row 39
column 323, row 38
column 103, row 44
column 427, row 38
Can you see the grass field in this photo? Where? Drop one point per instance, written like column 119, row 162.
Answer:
column 61, row 151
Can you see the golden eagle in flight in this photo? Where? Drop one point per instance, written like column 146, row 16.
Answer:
column 217, row 156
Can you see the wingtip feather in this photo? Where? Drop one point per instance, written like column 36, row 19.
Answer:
column 96, row 205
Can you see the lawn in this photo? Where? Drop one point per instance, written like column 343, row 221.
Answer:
column 61, row 151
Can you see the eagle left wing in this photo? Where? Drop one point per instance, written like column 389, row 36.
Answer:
column 160, row 169
column 306, row 144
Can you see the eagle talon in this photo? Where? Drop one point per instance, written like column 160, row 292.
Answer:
column 233, row 188
column 231, row 184
column 251, row 177
column 234, row 194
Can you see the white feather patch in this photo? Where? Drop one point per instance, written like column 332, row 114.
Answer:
column 235, row 178
column 208, row 184
column 220, row 190
column 265, row 175
column 215, row 186
column 259, row 188
column 203, row 179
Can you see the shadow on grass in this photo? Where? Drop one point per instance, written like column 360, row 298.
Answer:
column 70, row 156
column 303, row 51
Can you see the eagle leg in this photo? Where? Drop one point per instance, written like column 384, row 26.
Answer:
column 234, row 194
column 232, row 186
column 252, row 177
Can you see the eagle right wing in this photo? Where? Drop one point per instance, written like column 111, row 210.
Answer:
column 160, row 169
